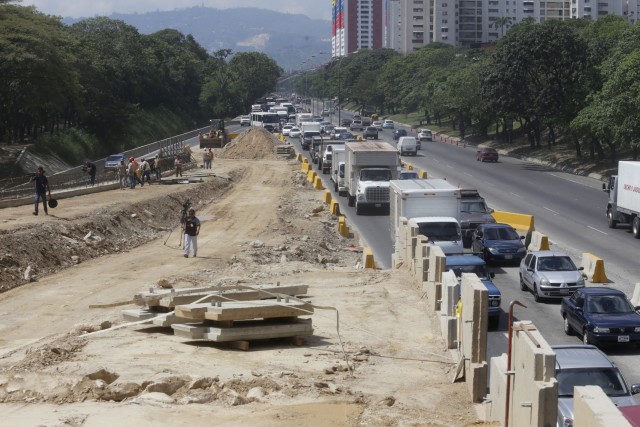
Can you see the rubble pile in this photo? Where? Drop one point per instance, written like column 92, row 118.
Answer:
column 252, row 144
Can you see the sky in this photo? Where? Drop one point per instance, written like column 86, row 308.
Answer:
column 318, row 9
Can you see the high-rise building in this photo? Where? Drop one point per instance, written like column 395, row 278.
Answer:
column 356, row 25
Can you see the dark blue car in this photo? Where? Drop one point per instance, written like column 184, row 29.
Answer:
column 601, row 316
column 498, row 242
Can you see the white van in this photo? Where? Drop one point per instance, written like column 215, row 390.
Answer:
column 407, row 145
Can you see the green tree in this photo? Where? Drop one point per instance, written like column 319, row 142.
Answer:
column 502, row 22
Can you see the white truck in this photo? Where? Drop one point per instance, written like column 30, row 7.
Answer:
column 431, row 204
column 326, row 154
column 307, row 131
column 624, row 197
column 369, row 166
column 337, row 170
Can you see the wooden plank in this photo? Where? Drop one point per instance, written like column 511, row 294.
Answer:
column 265, row 309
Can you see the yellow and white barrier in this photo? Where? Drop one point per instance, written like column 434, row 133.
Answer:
column 334, row 207
column 311, row 175
column 367, row 258
column 422, row 174
column 317, row 183
column 539, row 242
column 518, row 221
column 342, row 226
column 594, row 268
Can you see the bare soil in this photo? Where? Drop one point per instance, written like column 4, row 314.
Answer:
column 375, row 358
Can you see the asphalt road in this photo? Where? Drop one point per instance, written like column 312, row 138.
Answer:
column 570, row 209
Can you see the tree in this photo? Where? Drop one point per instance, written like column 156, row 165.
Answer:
column 501, row 22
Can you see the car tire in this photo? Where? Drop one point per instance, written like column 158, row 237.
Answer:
column 585, row 337
column 351, row 201
column 523, row 286
column 335, row 188
column 612, row 223
column 567, row 327
column 358, row 209
column 635, row 227
column 536, row 295
column 494, row 322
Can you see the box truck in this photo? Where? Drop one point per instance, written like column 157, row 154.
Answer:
column 624, row 197
column 337, row 170
column 433, row 205
column 326, row 154
column 369, row 166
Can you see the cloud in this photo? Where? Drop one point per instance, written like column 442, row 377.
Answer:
column 318, row 9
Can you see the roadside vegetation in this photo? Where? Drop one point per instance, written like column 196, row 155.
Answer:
column 99, row 86
column 558, row 86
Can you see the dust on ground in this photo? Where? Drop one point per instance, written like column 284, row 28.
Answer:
column 253, row 143
column 375, row 358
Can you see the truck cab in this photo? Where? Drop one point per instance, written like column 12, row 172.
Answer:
column 337, row 170
column 473, row 211
column 473, row 264
column 441, row 231
column 623, row 206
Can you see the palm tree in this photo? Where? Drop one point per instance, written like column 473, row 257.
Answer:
column 501, row 22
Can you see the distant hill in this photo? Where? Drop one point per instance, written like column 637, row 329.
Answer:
column 288, row 39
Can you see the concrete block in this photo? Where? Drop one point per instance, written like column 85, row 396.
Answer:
column 539, row 242
column 299, row 157
column 449, row 328
column 593, row 408
column 367, row 258
column 476, row 379
column 422, row 174
column 317, row 183
column 311, row 175
column 497, row 388
column 433, row 291
column 327, row 196
column 305, row 167
column 334, row 207
column 635, row 300
column 475, row 301
column 518, row 221
column 450, row 293
column 594, row 268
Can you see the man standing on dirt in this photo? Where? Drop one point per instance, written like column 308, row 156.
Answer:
column 91, row 170
column 146, row 171
column 191, row 230
column 42, row 188
column 178, row 164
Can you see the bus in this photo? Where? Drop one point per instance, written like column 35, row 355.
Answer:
column 303, row 118
column 269, row 121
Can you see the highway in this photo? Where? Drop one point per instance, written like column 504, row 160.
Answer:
column 570, row 209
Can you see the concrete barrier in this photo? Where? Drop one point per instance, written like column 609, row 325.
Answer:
column 518, row 221
column 474, row 323
column 305, row 160
column 305, row 167
column 593, row 408
column 367, row 258
column 422, row 174
column 317, row 183
column 448, row 319
column 635, row 300
column 342, row 226
column 594, row 268
column 311, row 175
column 334, row 207
column 433, row 285
column 299, row 157
column 539, row 242
column 327, row 196
column 409, row 166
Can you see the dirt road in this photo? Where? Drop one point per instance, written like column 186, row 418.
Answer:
column 386, row 366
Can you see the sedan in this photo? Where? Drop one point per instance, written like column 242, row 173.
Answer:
column 346, row 136
column 425, row 135
column 601, row 316
column 388, row 124
column 550, row 274
column 498, row 242
column 286, row 129
column 377, row 125
column 370, row 132
column 486, row 154
column 294, row 132
column 398, row 133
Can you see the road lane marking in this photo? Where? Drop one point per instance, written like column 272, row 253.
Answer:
column 572, row 180
column 551, row 210
column 599, row 231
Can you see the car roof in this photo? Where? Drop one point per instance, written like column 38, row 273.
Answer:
column 599, row 290
column 547, row 253
column 576, row 356
column 463, row 260
column 496, row 225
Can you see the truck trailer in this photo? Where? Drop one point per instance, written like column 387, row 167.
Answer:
column 369, row 166
column 624, row 197
column 337, row 170
column 431, row 204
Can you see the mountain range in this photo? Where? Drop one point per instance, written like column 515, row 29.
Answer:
column 289, row 39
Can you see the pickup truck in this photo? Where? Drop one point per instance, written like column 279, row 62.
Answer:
column 473, row 264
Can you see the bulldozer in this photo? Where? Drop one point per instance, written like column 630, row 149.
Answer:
column 217, row 137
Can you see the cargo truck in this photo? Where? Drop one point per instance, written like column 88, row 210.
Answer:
column 369, row 166
column 473, row 212
column 326, row 154
column 307, row 131
column 337, row 170
column 433, row 205
column 624, row 197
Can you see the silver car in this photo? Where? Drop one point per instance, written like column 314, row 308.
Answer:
column 549, row 274
column 581, row 365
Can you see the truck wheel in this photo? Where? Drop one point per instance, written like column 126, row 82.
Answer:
column 351, row 200
column 636, row 227
column 610, row 221
column 335, row 187
column 494, row 322
column 358, row 209
column 567, row 327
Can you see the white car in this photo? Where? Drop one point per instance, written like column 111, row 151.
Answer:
column 378, row 125
column 388, row 124
column 245, row 121
column 286, row 129
column 294, row 133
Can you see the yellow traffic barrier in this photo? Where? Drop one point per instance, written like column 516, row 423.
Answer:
column 334, row 207
column 518, row 221
column 311, row 175
column 305, row 167
column 539, row 242
column 594, row 268
column 367, row 258
column 327, row 196
column 317, row 183
column 282, row 138
column 422, row 174
column 409, row 167
column 305, row 160
column 342, row 226
column 299, row 157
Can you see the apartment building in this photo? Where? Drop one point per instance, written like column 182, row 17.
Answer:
column 411, row 24
column 356, row 25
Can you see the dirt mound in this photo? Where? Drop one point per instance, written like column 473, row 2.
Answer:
column 252, row 144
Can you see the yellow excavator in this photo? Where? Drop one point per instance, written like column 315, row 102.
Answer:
column 217, row 137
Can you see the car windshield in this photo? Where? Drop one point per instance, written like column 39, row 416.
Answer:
column 556, row 263
column 479, row 270
column 609, row 304
column 375, row 175
column 440, row 231
column 341, row 171
column 473, row 207
column 501, row 234
column 408, row 175
column 346, row 135
column 115, row 158
column 608, row 379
